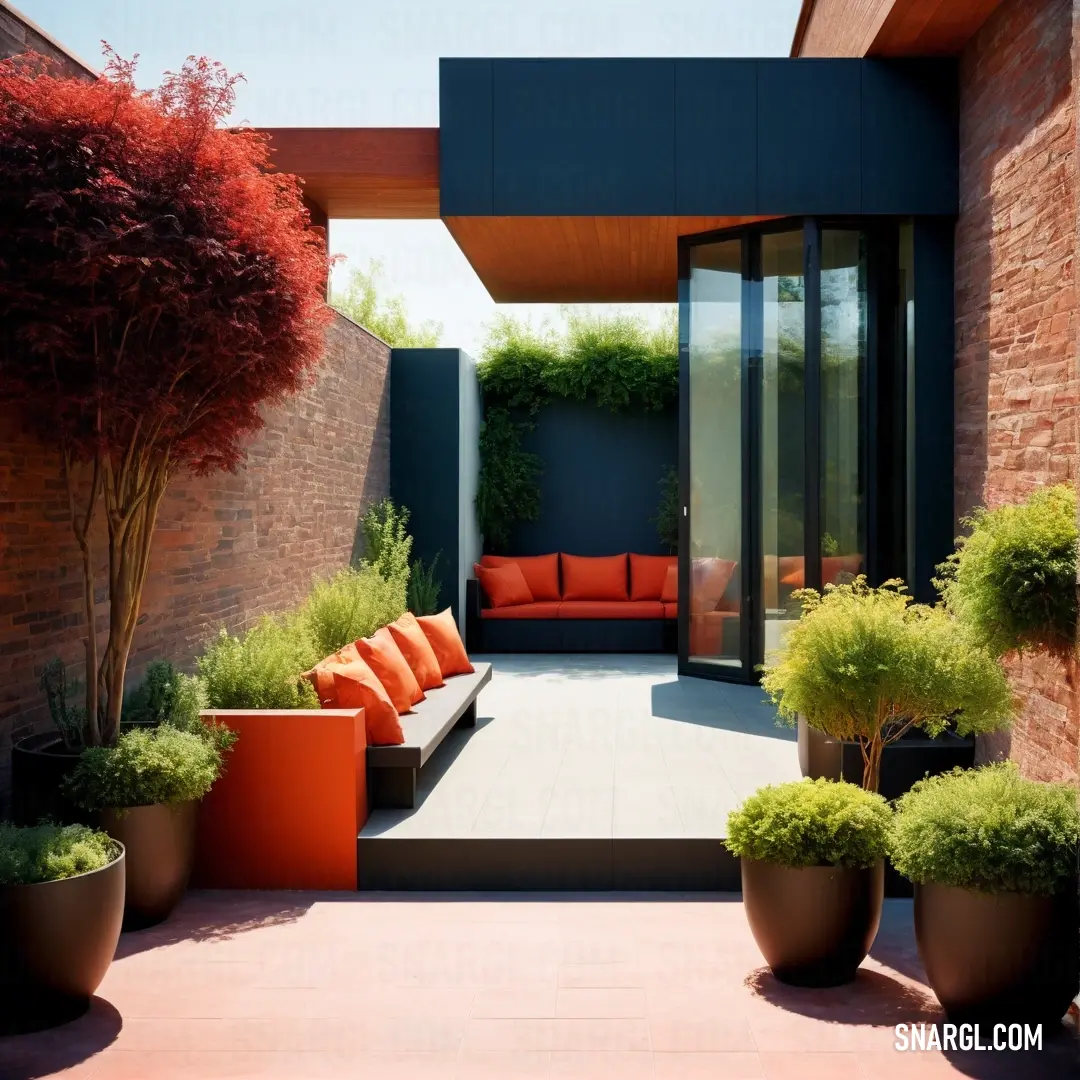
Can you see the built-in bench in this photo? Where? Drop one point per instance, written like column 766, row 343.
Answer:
column 392, row 769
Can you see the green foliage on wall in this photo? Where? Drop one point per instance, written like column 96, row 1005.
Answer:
column 667, row 510
column 508, row 489
column 617, row 361
column 386, row 317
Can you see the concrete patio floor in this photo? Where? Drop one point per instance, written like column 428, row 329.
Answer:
column 613, row 987
column 597, row 746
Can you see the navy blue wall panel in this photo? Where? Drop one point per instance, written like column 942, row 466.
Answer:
column 424, row 390
column 934, row 409
column 594, row 137
column 600, row 482
column 465, row 146
column 911, row 151
column 809, row 146
column 716, row 133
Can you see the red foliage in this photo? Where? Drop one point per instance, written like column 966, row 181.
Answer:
column 158, row 282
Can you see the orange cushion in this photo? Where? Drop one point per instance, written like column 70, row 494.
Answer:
column 648, row 574
column 671, row 611
column 549, row 609
column 322, row 678
column 832, row 566
column 383, row 656
column 503, row 585
column 541, row 572
column 602, row 578
column 707, row 632
column 669, row 592
column 442, row 632
column 356, row 686
column 417, row 650
column 790, row 569
column 709, row 579
column 611, row 609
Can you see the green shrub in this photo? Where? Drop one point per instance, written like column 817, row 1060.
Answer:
column 146, row 766
column 387, row 543
column 424, row 587
column 69, row 719
column 988, row 829
column 508, row 488
column 667, row 510
column 867, row 665
column 811, row 823
column 52, row 852
column 261, row 668
column 1012, row 580
column 352, row 604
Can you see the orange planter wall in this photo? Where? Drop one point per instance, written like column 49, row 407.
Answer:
column 287, row 811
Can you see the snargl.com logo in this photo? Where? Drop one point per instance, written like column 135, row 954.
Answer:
column 946, row 1037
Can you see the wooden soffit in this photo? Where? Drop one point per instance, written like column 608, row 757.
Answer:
column 579, row 259
column 888, row 27
column 363, row 172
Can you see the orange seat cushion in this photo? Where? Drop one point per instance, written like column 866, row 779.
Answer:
column 707, row 632
column 442, row 632
column 709, row 579
column 790, row 568
column 671, row 611
column 602, row 578
column 417, row 650
column 648, row 573
column 358, row 687
column 832, row 566
column 548, row 609
column 383, row 656
column 611, row 609
column 541, row 572
column 504, row 586
column 670, row 592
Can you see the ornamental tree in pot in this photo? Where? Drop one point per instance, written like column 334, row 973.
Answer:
column 994, row 861
column 146, row 790
column 867, row 665
column 61, row 905
column 160, row 285
column 812, row 860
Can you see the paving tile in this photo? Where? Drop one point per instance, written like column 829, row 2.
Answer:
column 732, row 1034
column 735, row 1065
column 602, row 1065
column 502, row 1065
column 601, row 1034
column 606, row 1002
column 509, row 1034
column 514, row 1003
column 617, row 975
column 802, row 1065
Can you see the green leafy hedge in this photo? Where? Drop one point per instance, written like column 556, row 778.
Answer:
column 988, row 829
column 1012, row 580
column 52, row 852
column 508, row 488
column 811, row 823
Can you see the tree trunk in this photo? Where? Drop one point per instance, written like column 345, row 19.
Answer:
column 872, row 752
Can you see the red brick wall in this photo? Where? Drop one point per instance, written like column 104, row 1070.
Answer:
column 1016, row 318
column 228, row 547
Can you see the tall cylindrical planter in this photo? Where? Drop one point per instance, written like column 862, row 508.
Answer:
column 57, row 940
column 160, row 844
column 815, row 924
column 39, row 765
column 999, row 957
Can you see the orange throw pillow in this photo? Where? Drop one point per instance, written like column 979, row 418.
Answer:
column 670, row 592
column 321, row 676
column 602, row 578
column 417, row 650
column 442, row 632
column 356, row 686
column 709, row 579
column 647, row 575
column 505, row 586
column 541, row 572
column 382, row 655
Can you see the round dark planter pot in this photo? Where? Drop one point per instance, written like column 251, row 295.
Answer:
column 39, row 764
column 814, row 925
column 57, row 940
column 1008, row 957
column 160, row 844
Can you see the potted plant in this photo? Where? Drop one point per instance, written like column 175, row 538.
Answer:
column 146, row 789
column 812, row 859
column 866, row 665
column 61, row 905
column 994, row 861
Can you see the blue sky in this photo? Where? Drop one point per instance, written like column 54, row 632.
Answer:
column 357, row 62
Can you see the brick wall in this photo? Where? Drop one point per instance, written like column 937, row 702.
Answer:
column 228, row 548
column 18, row 35
column 1017, row 324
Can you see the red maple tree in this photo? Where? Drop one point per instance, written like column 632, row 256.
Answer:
column 159, row 283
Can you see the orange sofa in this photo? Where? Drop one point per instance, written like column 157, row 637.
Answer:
column 615, row 603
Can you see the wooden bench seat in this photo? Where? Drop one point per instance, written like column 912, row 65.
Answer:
column 392, row 769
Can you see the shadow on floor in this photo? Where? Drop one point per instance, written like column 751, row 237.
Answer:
column 743, row 709
column 202, row 917
column 43, row 1053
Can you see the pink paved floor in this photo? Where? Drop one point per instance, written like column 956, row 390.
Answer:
column 298, row 986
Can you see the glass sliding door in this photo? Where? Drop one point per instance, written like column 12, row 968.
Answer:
column 714, row 597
